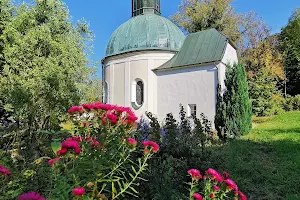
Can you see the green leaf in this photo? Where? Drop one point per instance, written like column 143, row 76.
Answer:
column 133, row 169
column 55, row 145
column 131, row 175
column 134, row 190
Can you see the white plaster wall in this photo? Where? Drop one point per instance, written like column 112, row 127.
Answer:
column 119, row 83
column 120, row 71
column 194, row 85
column 230, row 55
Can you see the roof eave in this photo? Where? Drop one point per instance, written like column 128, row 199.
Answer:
column 187, row 66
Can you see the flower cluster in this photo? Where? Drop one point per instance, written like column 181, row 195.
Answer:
column 107, row 113
column 154, row 146
column 195, row 174
column 68, row 144
column 215, row 184
column 214, row 175
column 91, row 140
column 31, row 196
column 4, row 171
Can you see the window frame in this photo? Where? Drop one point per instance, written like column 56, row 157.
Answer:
column 134, row 102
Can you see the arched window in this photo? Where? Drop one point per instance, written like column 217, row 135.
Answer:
column 105, row 99
column 139, row 93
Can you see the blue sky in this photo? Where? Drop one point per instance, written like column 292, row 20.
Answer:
column 105, row 16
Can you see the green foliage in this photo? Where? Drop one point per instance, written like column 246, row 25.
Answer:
column 107, row 163
column 265, row 163
column 261, row 89
column 234, row 114
column 184, row 145
column 290, row 47
column 44, row 59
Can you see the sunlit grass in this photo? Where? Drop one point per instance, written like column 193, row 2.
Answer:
column 266, row 162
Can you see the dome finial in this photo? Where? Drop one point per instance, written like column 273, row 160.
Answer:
column 142, row 7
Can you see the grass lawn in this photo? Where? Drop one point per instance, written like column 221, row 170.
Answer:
column 266, row 162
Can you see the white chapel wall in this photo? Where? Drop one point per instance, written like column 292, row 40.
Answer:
column 195, row 85
column 121, row 71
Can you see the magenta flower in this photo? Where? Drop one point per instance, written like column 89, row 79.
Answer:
column 132, row 141
column 154, row 145
column 243, row 197
column 216, row 188
column 78, row 191
column 70, row 144
column 214, row 175
column 75, row 109
column 231, row 185
column 4, row 171
column 51, row 162
column 195, row 174
column 31, row 196
column 197, row 196
column 62, row 151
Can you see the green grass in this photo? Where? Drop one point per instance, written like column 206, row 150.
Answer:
column 266, row 162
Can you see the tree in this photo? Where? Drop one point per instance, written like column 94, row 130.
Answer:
column 245, row 30
column 233, row 117
column 44, row 62
column 290, row 47
column 261, row 89
column 195, row 15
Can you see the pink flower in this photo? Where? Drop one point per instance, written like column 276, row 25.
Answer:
column 85, row 124
column 155, row 146
column 112, row 117
column 211, row 195
column 78, row 191
column 51, row 162
column 226, row 175
column 132, row 141
column 231, row 185
column 121, row 109
column 97, row 105
column 214, row 175
column 107, row 107
column 195, row 174
column 197, row 196
column 132, row 118
column 62, row 151
column 96, row 143
column 75, row 109
column 70, row 144
column 31, row 196
column 88, row 106
column 216, row 188
column 77, row 150
column 4, row 171
column 243, row 197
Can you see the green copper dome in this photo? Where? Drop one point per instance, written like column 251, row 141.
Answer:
column 145, row 32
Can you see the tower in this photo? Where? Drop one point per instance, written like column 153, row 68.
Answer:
column 141, row 7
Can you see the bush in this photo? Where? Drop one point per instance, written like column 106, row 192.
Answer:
column 288, row 103
column 97, row 159
column 296, row 102
column 184, row 145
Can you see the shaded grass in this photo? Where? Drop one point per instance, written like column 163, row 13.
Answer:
column 266, row 162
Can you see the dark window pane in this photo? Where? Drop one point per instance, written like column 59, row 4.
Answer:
column 139, row 93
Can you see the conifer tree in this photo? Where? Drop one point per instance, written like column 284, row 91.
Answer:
column 234, row 111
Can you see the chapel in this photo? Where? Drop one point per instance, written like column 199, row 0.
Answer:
column 151, row 65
